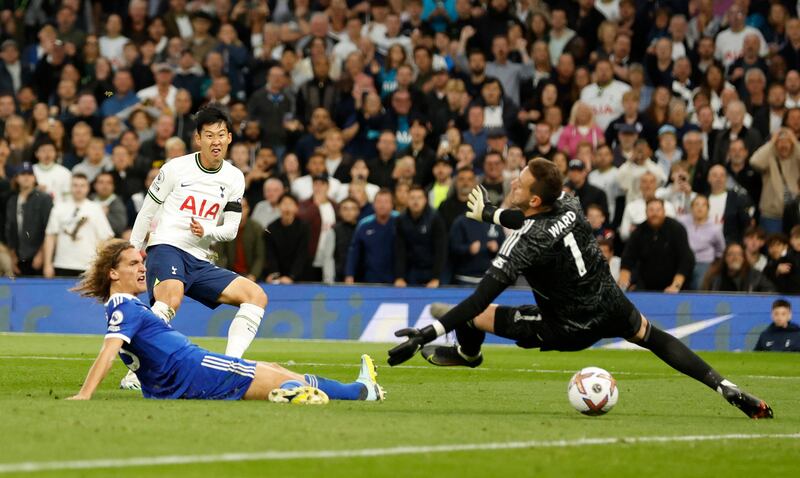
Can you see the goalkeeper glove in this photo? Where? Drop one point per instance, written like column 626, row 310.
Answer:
column 416, row 338
column 479, row 207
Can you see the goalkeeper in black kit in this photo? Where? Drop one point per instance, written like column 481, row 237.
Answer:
column 578, row 302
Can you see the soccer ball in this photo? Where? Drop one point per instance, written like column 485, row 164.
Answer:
column 592, row 391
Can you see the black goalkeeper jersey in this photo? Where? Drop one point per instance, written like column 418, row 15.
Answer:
column 559, row 256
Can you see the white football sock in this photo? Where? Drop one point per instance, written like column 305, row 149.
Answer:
column 243, row 329
column 163, row 310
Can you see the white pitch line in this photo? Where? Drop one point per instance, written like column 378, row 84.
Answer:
column 33, row 466
column 423, row 367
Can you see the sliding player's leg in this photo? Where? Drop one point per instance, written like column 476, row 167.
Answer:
column 278, row 384
column 251, row 300
column 678, row 356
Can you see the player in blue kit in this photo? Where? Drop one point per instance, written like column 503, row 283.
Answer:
column 169, row 365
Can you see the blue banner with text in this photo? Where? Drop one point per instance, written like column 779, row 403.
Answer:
column 373, row 313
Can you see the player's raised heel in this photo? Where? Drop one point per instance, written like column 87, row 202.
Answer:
column 300, row 395
column 368, row 376
column 449, row 356
column 750, row 405
column 130, row 382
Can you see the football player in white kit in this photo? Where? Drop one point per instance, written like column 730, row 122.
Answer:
column 199, row 196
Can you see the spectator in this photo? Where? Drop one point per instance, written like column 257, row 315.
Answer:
column 493, row 178
column 287, row 244
column 423, row 155
column 658, row 253
column 778, row 161
column 631, row 117
column 735, row 115
column 754, row 240
column 343, row 233
column 544, row 147
column 614, row 262
column 679, row 192
column 421, row 243
column 604, row 175
column 273, row 108
column 52, row 178
column 302, row 187
column 371, row 257
column 705, row 239
column 312, row 140
column 13, row 73
column 127, row 181
column 95, row 162
column 75, row 229
column 783, row 265
column 726, row 206
column 730, row 42
column 113, row 206
column 336, row 164
column 244, row 255
column 733, row 273
column 632, row 170
column 586, row 192
column 155, row 149
column 443, row 181
column 668, row 152
column 123, row 99
column 635, row 212
column 473, row 245
column 476, row 134
column 319, row 212
column 27, row 213
column 160, row 98
column 359, row 172
column 781, row 335
column 382, row 166
column 597, row 219
column 606, row 95
column 581, row 128
column 268, row 209
column 456, row 205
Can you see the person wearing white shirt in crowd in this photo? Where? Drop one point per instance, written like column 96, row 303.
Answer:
column 559, row 35
column 347, row 44
column 632, row 170
column 302, row 187
column 268, row 210
column 679, row 192
column 776, row 99
column 604, row 176
column 52, row 178
column 161, row 95
column 792, row 85
column 636, row 210
column 730, row 42
column 75, row 228
column 605, row 95
column 668, row 152
column 112, row 43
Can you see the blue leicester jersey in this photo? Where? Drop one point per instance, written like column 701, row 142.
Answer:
column 157, row 354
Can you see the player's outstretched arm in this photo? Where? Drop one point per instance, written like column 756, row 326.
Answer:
column 481, row 209
column 488, row 289
column 143, row 220
column 100, row 368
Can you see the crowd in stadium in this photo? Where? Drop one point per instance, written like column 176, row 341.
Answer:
column 361, row 127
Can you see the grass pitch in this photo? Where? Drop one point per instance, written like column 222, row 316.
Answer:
column 510, row 417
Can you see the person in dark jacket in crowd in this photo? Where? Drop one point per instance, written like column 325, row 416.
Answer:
column 657, row 254
column 456, row 205
column 287, row 244
column 343, row 232
column 781, row 335
column 244, row 255
column 371, row 255
column 25, row 238
column 473, row 245
column 783, row 265
column 421, row 243
column 732, row 273
column 586, row 192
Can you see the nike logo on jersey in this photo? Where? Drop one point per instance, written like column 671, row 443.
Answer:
column 183, row 185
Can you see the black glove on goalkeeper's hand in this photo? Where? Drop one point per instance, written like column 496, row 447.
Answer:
column 416, row 339
column 479, row 207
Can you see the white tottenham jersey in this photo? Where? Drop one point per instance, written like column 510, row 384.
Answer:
column 187, row 190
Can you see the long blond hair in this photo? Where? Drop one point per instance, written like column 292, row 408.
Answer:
column 95, row 281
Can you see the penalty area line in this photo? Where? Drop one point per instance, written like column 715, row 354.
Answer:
column 24, row 467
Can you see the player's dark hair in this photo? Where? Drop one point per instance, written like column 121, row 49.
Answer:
column 288, row 196
column 417, row 187
column 548, row 180
column 210, row 115
column 95, row 282
column 385, row 191
column 781, row 303
column 755, row 231
column 778, row 237
column 466, row 169
column 658, row 200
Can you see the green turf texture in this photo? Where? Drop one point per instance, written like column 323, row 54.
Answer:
column 516, row 395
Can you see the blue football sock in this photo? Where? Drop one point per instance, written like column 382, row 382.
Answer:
column 338, row 390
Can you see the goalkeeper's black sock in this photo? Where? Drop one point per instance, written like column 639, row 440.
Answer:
column 470, row 339
column 680, row 357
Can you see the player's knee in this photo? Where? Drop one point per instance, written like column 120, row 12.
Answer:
column 257, row 296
